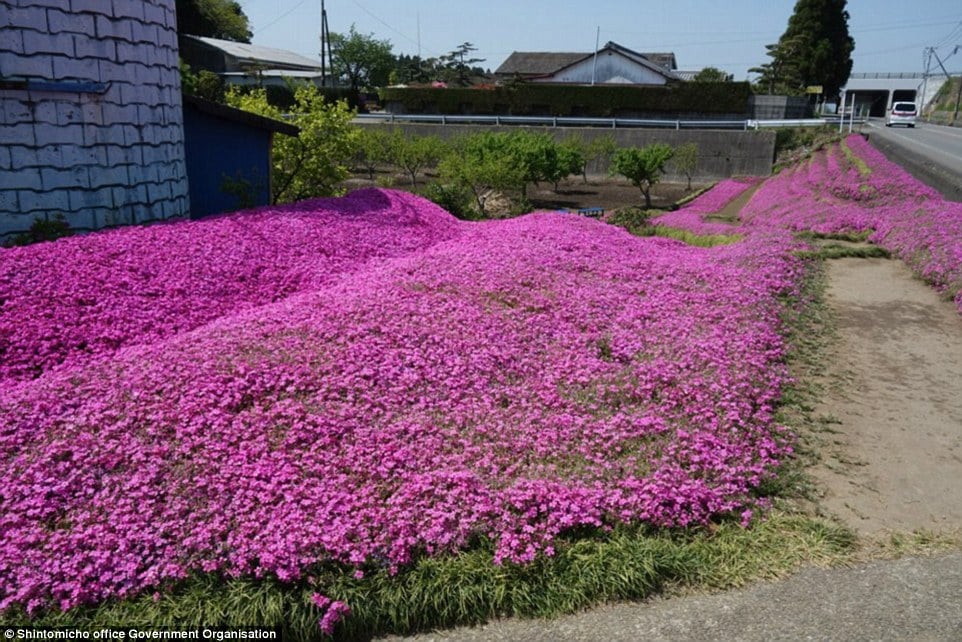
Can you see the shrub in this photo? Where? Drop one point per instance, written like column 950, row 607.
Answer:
column 633, row 219
column 42, row 230
column 315, row 161
column 453, row 197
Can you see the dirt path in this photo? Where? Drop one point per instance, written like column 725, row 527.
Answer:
column 895, row 462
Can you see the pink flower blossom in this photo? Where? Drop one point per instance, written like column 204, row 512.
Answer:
column 367, row 379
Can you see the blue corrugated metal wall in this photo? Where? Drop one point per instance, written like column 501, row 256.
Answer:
column 216, row 149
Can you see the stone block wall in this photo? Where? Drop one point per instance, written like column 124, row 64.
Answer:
column 91, row 122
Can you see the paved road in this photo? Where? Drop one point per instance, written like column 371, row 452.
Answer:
column 909, row 599
column 933, row 153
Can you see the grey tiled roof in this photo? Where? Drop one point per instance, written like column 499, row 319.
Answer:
column 543, row 63
column 537, row 62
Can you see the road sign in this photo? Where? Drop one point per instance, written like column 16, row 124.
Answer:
column 813, row 89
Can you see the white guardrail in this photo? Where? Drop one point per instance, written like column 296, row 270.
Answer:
column 610, row 123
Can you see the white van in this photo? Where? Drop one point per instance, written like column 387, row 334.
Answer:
column 902, row 113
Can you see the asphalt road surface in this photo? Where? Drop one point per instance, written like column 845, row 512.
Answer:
column 933, row 153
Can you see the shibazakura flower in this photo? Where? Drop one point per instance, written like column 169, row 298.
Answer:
column 367, row 380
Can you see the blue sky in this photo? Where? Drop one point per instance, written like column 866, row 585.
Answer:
column 889, row 34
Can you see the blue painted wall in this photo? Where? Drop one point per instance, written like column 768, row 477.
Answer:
column 217, row 148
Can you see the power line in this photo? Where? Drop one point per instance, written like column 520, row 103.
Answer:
column 279, row 18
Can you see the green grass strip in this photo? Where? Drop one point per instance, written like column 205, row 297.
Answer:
column 863, row 169
column 629, row 562
column 690, row 238
column 688, row 198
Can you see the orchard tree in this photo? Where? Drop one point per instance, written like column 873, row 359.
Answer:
column 643, row 166
column 363, row 60
column 373, row 149
column 414, row 153
column 685, row 160
column 600, row 148
column 816, row 48
column 484, row 163
column 223, row 19
column 569, row 159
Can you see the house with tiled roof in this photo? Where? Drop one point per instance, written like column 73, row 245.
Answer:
column 613, row 64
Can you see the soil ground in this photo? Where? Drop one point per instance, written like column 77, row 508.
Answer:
column 606, row 194
column 894, row 460
column 573, row 193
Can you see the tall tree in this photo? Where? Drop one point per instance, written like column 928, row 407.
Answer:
column 224, row 19
column 460, row 62
column 362, row 59
column 780, row 75
column 817, row 45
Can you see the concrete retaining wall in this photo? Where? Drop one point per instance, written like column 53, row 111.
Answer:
column 721, row 154
column 92, row 124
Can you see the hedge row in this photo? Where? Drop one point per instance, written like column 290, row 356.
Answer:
column 282, row 97
column 576, row 100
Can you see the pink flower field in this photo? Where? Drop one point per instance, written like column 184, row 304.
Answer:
column 368, row 380
column 441, row 381
column 692, row 216
column 831, row 194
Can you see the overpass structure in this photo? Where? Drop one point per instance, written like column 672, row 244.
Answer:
column 875, row 92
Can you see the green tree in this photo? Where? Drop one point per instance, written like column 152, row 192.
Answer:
column 685, row 160
column 484, row 163
column 459, row 63
column 373, row 149
column 408, row 69
column 711, row 74
column 569, row 159
column 600, row 150
column 224, row 19
column 642, row 166
column 816, row 49
column 414, row 153
column 536, row 155
column 315, row 161
column 362, row 59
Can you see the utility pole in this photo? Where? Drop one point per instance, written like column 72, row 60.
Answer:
column 594, row 62
column 927, row 56
column 948, row 77
column 325, row 48
column 958, row 95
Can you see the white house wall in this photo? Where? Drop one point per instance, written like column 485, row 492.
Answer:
column 613, row 68
column 101, row 141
